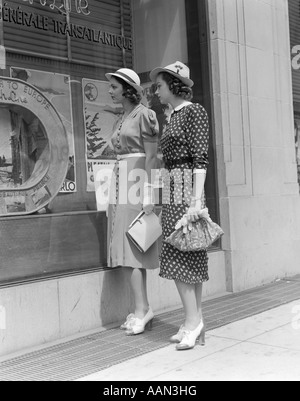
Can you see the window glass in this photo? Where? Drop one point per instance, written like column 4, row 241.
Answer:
column 176, row 30
column 160, row 33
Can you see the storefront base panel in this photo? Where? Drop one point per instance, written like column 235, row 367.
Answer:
column 44, row 312
column 269, row 263
column 255, row 140
column 264, row 240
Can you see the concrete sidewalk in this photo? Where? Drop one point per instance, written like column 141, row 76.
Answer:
column 265, row 347
column 252, row 335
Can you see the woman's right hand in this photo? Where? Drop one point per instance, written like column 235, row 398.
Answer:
column 148, row 209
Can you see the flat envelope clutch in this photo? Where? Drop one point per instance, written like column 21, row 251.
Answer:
column 144, row 231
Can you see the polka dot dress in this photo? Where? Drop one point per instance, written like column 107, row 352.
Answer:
column 185, row 147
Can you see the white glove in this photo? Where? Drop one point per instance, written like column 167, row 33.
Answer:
column 194, row 211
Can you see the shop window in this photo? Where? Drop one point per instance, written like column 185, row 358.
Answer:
column 167, row 31
column 62, row 50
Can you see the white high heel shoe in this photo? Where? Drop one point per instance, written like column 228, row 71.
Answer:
column 138, row 326
column 128, row 323
column 190, row 338
column 177, row 338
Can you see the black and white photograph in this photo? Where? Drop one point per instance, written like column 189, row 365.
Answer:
column 150, row 193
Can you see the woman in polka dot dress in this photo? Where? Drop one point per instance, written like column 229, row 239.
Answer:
column 185, row 150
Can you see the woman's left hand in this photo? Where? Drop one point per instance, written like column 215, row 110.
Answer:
column 193, row 214
column 148, row 209
column 194, row 211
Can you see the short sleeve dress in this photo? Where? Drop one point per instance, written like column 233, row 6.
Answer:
column 185, row 145
column 129, row 138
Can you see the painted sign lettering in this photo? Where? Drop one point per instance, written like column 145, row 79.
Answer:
column 44, row 23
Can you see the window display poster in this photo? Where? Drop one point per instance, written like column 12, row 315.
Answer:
column 57, row 89
column 100, row 115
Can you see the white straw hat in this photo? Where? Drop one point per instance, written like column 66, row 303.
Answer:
column 128, row 76
column 178, row 70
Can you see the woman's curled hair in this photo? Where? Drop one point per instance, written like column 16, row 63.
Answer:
column 177, row 87
column 130, row 92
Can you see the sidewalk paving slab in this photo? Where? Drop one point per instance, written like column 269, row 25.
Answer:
column 264, row 347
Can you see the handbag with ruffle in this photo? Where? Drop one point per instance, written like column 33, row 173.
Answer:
column 197, row 236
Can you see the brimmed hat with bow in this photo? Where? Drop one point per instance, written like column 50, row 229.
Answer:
column 178, row 70
column 129, row 76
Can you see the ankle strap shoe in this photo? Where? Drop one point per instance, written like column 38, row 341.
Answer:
column 138, row 326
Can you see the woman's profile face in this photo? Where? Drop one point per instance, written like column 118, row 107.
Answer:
column 163, row 91
column 116, row 91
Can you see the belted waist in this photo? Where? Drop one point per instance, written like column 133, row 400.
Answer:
column 130, row 156
column 170, row 164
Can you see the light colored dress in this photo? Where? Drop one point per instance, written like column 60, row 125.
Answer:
column 129, row 137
